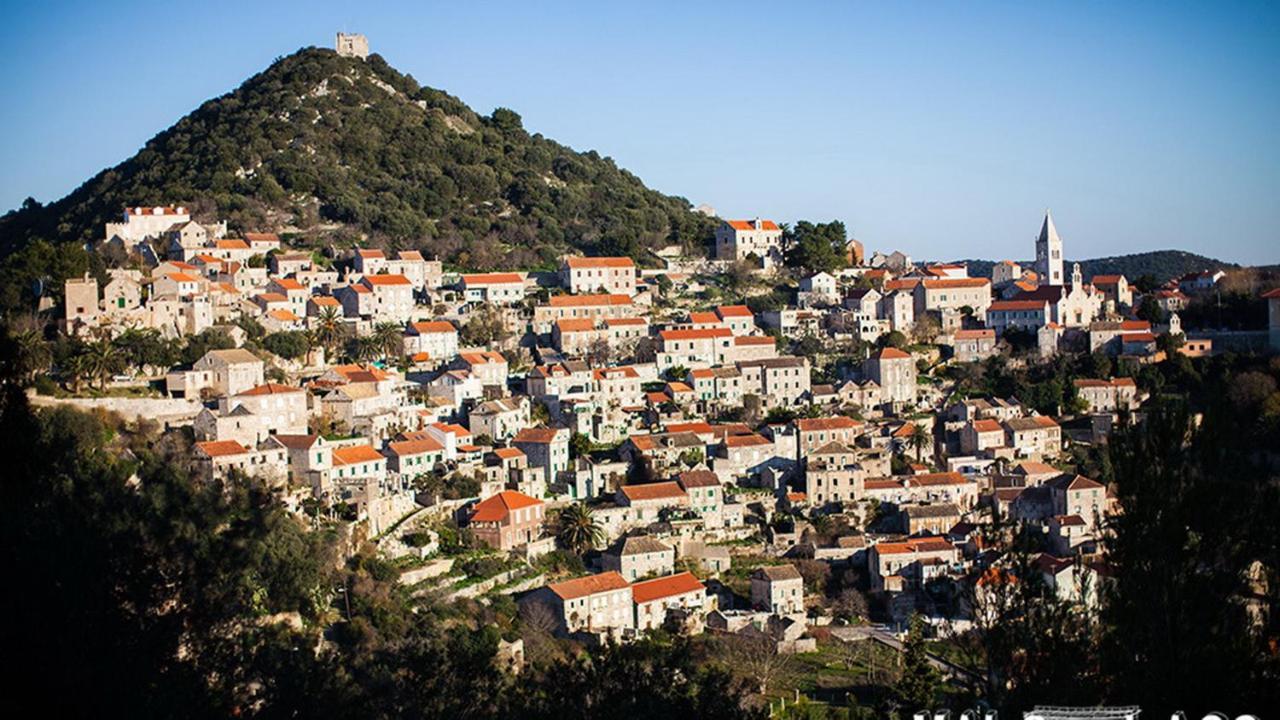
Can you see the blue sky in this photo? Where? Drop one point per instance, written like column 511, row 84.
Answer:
column 943, row 129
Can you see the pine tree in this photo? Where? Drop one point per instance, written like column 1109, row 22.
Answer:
column 918, row 683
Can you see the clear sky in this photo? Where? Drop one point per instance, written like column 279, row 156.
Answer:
column 943, row 129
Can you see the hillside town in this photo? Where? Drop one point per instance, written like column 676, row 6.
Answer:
column 713, row 472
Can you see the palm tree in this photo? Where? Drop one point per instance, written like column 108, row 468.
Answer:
column 577, row 529
column 918, row 440
column 328, row 328
column 101, row 360
column 388, row 336
column 33, row 354
column 366, row 348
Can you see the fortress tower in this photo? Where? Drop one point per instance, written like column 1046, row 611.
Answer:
column 352, row 45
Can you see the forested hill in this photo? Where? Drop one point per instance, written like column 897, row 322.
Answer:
column 1161, row 264
column 330, row 146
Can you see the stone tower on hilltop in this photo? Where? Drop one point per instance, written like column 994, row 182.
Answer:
column 1049, row 253
column 352, row 45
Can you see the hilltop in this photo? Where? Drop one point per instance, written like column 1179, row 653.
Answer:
column 332, row 148
column 1162, row 264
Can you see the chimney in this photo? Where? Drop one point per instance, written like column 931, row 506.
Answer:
column 757, row 224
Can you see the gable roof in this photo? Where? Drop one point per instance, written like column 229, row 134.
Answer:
column 576, row 263
column 497, row 507
column 589, row 585
column 665, row 587
column 653, row 491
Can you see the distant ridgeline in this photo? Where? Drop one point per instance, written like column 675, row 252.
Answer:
column 333, row 146
column 1163, row 264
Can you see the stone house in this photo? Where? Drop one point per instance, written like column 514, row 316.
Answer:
column 655, row 598
column 507, row 520
column 739, row 239
column 547, row 450
column 778, row 589
column 594, row 603
column 599, row 274
column 637, row 557
column 895, row 372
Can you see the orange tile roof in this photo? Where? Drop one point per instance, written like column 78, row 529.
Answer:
column 665, row 587
column 918, row 545
column 270, row 389
column 943, row 478
column 571, row 325
column 414, row 447
column 355, row 454
column 598, row 300
column 483, row 357
column 838, row 422
column 890, row 353
column 698, row 426
column 704, row 318
column 610, row 322
column 599, row 262
column 705, row 334
column 284, row 315
column 509, row 453
column 953, row 283
column 289, row 284
column 492, row 279
column 433, row 326
column 1002, row 305
column 496, row 508
column 747, row 225
column 182, row 277
column 386, row 280
column 903, row 284
column 754, row 340
column 232, row 245
column 538, row 435
column 975, row 334
column 325, row 301
column 222, row 448
column 987, row 425
column 261, row 237
column 370, row 254
column 726, row 311
column 653, row 491
column 589, row 585
column 452, row 428
column 746, row 440
column 615, row 373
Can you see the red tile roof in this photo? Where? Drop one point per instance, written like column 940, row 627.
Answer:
column 599, row 262
column 538, row 435
column 726, row 311
column 222, row 448
column 597, row 300
column 491, row 279
column 355, row 454
column 496, row 508
column 433, row 326
column 270, row 389
column 890, row 353
column 665, row 587
column 589, row 585
column 703, row 334
column 414, row 447
column 747, row 225
column 838, row 422
column 653, row 491
column 919, row 545
column 386, row 280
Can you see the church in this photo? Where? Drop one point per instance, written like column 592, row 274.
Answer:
column 1074, row 305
